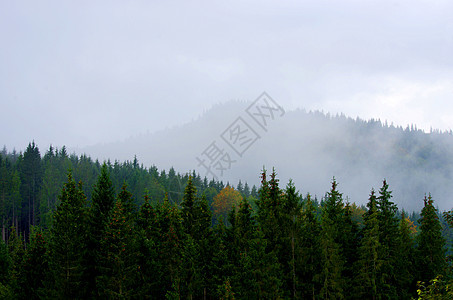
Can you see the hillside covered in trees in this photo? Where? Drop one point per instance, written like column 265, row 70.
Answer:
column 309, row 147
column 75, row 228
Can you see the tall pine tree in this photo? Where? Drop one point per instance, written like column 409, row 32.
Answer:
column 331, row 256
column 309, row 252
column 67, row 242
column 431, row 245
column 388, row 237
column 103, row 198
column 368, row 277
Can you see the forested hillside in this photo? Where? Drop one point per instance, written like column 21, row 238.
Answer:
column 30, row 183
column 310, row 148
column 75, row 228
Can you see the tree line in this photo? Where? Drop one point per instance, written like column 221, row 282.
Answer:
column 273, row 243
column 30, row 184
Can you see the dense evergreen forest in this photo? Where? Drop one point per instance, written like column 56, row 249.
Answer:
column 73, row 228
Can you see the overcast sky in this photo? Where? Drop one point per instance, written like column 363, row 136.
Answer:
column 77, row 73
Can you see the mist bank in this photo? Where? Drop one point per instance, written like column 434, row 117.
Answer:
column 308, row 147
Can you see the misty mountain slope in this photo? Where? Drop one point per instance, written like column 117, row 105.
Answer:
column 310, row 148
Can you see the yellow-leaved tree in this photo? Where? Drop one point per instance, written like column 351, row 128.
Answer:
column 225, row 200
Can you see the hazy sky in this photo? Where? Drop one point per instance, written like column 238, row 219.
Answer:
column 82, row 72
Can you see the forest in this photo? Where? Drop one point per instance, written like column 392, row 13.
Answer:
column 74, row 228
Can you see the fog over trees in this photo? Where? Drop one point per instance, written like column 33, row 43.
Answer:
column 308, row 147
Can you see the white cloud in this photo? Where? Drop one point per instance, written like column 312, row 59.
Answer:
column 128, row 67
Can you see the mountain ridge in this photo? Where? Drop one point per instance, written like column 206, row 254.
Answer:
column 310, row 148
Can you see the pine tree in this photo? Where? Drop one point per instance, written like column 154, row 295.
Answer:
column 332, row 263
column 291, row 215
column 118, row 268
column 16, row 253
column 149, row 239
column 333, row 207
column 188, row 205
column 331, row 256
column 431, row 245
column 368, row 277
column 67, row 242
column 5, row 263
column 190, row 272
column 257, row 273
column 309, row 252
column 349, row 241
column 35, row 267
column 269, row 211
column 388, row 237
column 246, row 190
column 406, row 260
column 31, row 182
column 98, row 215
column 206, row 243
column 55, row 168
column 172, row 246
column 277, row 215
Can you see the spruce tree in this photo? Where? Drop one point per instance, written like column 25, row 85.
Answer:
column 188, row 205
column 349, row 239
column 16, row 253
column 35, row 267
column 171, row 247
column 332, row 263
column 368, row 276
column 198, row 250
column 278, row 213
column 31, row 181
column 103, row 198
column 149, row 238
column 431, row 245
column 291, row 226
column 67, row 242
column 118, row 267
column 308, row 259
column 206, row 244
column 406, row 260
column 257, row 273
column 5, row 263
column 331, row 255
column 388, row 237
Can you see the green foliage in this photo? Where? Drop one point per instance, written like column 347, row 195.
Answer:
column 332, row 263
column 437, row 289
column 34, row 267
column 308, row 256
column 406, row 260
column 16, row 253
column 118, row 266
column 226, row 291
column 188, row 205
column 369, row 275
column 275, row 245
column 331, row 256
column 430, row 250
column 388, row 238
column 5, row 263
column 98, row 217
column 67, row 242
column 31, row 173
